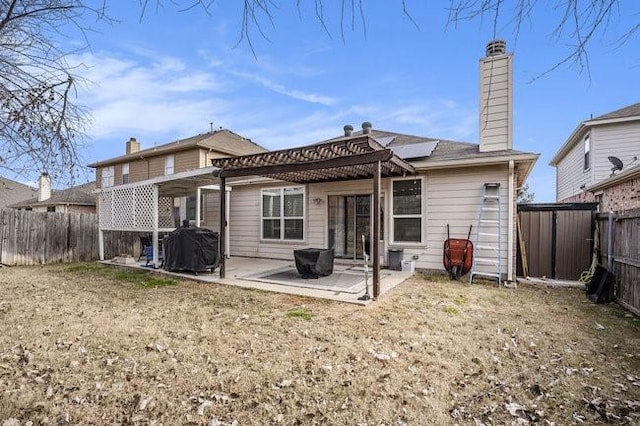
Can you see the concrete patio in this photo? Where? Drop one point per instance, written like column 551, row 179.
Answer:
column 346, row 284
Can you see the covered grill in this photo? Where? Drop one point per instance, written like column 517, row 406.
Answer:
column 192, row 249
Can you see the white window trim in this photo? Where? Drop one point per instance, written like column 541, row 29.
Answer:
column 128, row 175
column 392, row 216
column 169, row 165
column 107, row 179
column 586, row 142
column 282, row 217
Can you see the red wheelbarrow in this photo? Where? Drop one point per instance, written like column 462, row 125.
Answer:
column 458, row 255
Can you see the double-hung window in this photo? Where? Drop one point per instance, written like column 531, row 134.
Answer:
column 168, row 165
column 407, row 211
column 283, row 213
column 107, row 176
column 125, row 173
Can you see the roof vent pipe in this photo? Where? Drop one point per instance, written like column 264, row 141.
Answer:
column 348, row 130
column 366, row 128
column 496, row 47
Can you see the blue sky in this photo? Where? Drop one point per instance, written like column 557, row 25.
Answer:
column 172, row 73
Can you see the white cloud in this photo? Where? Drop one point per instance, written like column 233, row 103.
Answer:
column 281, row 89
column 134, row 96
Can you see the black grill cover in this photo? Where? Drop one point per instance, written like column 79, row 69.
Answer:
column 191, row 249
column 313, row 262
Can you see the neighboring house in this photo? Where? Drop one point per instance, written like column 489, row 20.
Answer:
column 12, row 192
column 77, row 199
column 583, row 160
column 320, row 195
column 619, row 192
column 168, row 159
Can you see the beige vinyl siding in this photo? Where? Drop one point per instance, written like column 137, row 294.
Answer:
column 186, row 160
column 495, row 103
column 450, row 196
column 211, row 214
column 244, row 226
column 570, row 173
column 454, row 198
column 138, row 170
column 621, row 140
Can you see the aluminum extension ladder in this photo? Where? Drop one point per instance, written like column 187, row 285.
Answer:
column 487, row 253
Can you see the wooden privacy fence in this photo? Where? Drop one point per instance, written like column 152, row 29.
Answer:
column 622, row 254
column 35, row 238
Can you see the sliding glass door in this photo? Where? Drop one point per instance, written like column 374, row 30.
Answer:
column 350, row 219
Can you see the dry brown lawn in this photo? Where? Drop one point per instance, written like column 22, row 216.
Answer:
column 87, row 344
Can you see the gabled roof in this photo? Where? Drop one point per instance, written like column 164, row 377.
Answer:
column 13, row 192
column 80, row 195
column 626, row 114
column 628, row 111
column 223, row 141
column 448, row 153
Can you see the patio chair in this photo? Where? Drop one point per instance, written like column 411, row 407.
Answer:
column 145, row 241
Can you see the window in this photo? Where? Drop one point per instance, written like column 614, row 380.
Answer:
column 51, row 208
column 407, row 210
column 190, row 207
column 283, row 213
column 125, row 173
column 168, row 165
column 587, row 148
column 107, row 176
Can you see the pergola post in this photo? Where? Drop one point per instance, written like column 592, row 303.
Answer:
column 375, row 244
column 154, row 239
column 223, row 225
column 101, row 243
column 198, row 218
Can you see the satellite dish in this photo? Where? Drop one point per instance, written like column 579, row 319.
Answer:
column 617, row 164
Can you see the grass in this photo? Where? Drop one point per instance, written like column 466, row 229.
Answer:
column 300, row 313
column 141, row 278
column 84, row 344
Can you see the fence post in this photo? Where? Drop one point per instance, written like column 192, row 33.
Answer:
column 610, row 241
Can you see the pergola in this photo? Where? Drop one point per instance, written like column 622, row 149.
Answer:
column 348, row 158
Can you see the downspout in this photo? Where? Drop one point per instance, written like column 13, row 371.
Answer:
column 510, row 227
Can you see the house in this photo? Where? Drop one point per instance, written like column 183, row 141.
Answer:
column 372, row 185
column 171, row 159
column 77, row 199
column 596, row 150
column 619, row 192
column 12, row 192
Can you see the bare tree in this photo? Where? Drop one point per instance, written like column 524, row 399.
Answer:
column 40, row 123
column 578, row 23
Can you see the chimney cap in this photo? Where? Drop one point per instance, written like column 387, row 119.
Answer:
column 496, row 47
column 366, row 127
column 132, row 139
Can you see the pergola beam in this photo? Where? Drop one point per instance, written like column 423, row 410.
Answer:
column 274, row 169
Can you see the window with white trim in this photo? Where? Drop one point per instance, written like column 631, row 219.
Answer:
column 407, row 211
column 125, row 173
column 107, row 176
column 283, row 213
column 168, row 165
column 587, row 149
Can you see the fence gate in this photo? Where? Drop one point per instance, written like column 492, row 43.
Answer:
column 558, row 239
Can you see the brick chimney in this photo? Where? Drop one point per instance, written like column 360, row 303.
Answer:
column 44, row 187
column 133, row 146
column 496, row 98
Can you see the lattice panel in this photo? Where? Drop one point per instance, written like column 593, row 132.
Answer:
column 104, row 214
column 141, row 206
column 122, row 212
column 165, row 213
